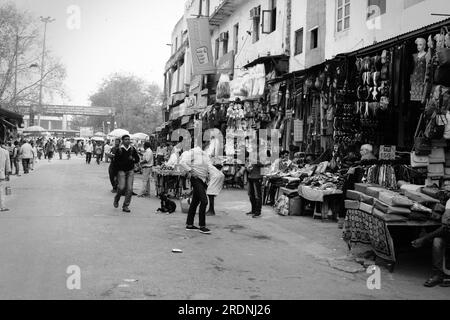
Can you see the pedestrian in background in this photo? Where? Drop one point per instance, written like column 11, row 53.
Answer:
column 89, row 149
column 16, row 157
column 26, row 152
column 68, row 148
column 60, row 147
column 112, row 167
column 147, row 165
column 125, row 159
column 5, row 171
column 50, row 150
column 33, row 161
column 98, row 152
column 107, row 151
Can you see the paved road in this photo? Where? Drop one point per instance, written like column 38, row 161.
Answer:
column 62, row 215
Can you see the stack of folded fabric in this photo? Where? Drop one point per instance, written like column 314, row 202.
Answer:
column 436, row 168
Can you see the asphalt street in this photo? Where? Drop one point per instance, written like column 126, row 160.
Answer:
column 62, row 215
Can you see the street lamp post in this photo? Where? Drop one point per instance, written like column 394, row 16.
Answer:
column 45, row 21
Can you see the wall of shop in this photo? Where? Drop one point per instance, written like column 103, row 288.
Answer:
column 397, row 17
column 315, row 18
column 298, row 22
column 268, row 44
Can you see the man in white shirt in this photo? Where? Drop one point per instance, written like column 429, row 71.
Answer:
column 26, row 151
column 147, row 165
column 89, row 149
column 196, row 162
column 107, row 151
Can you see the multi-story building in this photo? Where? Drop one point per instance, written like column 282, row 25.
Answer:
column 355, row 24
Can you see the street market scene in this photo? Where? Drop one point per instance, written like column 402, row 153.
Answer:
column 225, row 150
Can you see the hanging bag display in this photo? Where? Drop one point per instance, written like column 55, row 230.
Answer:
column 436, row 126
column 422, row 145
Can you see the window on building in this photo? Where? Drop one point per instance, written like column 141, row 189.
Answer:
column 256, row 15
column 342, row 15
column 224, row 39
column 236, row 38
column 204, row 8
column 299, row 41
column 217, row 49
column 314, row 38
column 375, row 8
column 270, row 17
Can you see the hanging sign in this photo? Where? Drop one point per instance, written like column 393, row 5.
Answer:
column 388, row 152
column 226, row 63
column 200, row 43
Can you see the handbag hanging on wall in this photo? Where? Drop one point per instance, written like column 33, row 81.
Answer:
column 436, row 126
column 422, row 145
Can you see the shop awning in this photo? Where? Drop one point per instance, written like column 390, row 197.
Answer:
column 432, row 28
column 265, row 59
column 10, row 115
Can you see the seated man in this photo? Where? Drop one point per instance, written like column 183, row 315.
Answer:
column 440, row 239
column 282, row 165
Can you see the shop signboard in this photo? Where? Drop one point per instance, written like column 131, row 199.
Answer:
column 388, row 152
column 201, row 48
column 190, row 102
column 226, row 63
column 86, row 132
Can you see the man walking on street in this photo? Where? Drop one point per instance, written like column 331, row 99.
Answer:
column 5, row 171
column 125, row 159
column 107, row 151
column 196, row 162
column 60, row 147
column 89, row 148
column 68, row 147
column 16, row 156
column 26, row 151
column 50, row 149
column 147, row 165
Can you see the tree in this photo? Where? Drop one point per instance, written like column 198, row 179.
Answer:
column 20, row 36
column 137, row 103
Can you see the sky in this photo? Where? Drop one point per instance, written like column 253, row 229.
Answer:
column 128, row 36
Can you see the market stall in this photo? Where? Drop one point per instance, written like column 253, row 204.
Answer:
column 169, row 181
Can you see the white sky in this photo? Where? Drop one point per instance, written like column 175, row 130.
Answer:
column 115, row 36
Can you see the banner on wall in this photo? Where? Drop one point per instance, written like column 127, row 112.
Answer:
column 200, row 43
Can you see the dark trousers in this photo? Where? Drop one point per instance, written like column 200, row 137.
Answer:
column 88, row 157
column 199, row 198
column 255, row 195
column 98, row 158
column 125, row 187
column 113, row 176
column 26, row 165
column 16, row 165
column 439, row 246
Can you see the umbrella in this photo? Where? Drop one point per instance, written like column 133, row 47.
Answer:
column 100, row 134
column 98, row 139
column 140, row 136
column 118, row 133
column 34, row 129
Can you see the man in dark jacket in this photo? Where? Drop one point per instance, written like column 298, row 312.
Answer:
column 255, row 179
column 112, row 167
column 124, row 160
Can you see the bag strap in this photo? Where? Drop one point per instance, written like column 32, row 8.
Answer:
column 416, row 134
